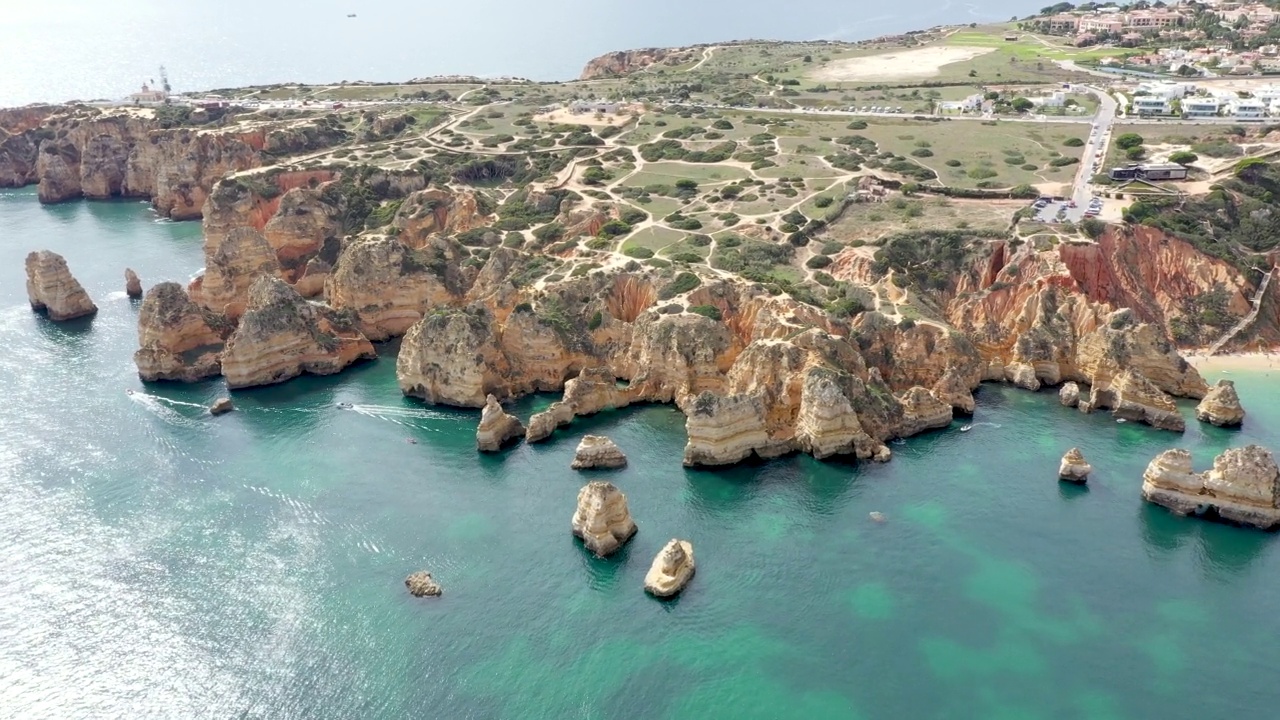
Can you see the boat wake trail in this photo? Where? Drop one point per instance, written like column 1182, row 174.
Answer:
column 156, row 406
column 396, row 414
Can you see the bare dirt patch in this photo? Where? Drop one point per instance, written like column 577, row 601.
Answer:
column 922, row 62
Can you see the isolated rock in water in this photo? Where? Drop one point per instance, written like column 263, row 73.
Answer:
column 602, row 519
column 497, row 427
column 1221, row 406
column 1074, row 467
column 52, row 289
column 1133, row 397
column 598, row 451
column 1243, row 486
column 221, row 406
column 1022, row 375
column 132, row 285
column 671, row 569
column 421, row 584
column 281, row 336
column 1069, row 395
column 177, row 339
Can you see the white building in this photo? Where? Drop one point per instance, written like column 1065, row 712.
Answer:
column 1057, row 99
column 1247, row 109
column 1201, row 107
column 1166, row 89
column 973, row 103
column 1149, row 105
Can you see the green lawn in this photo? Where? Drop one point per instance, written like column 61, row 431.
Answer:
column 654, row 238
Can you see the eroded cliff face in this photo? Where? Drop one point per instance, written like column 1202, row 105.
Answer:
column 281, row 336
column 433, row 212
column 390, row 286
column 624, row 62
column 239, row 260
column 178, row 339
column 128, row 155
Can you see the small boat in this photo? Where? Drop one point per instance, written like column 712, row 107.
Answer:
column 966, row 428
column 344, row 406
column 877, row 516
column 351, row 14
column 1121, row 420
column 128, row 392
column 411, row 441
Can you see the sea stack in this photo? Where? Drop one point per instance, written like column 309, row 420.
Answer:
column 51, row 288
column 598, row 452
column 1074, row 467
column 671, row 569
column 1069, row 395
column 132, row 284
column 497, row 428
column 1221, row 406
column 177, row 339
column 602, row 518
column 1243, row 487
column 421, row 584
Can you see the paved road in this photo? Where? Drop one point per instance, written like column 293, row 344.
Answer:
column 1095, row 151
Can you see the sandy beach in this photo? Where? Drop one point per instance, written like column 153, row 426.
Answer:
column 924, row 62
column 1248, row 362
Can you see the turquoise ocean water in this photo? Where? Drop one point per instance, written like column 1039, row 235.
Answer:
column 156, row 562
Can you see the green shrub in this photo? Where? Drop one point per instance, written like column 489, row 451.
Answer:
column 1182, row 157
column 817, row 261
column 1063, row 161
column 1073, row 142
column 1129, row 140
column 922, row 152
column 981, row 173
column 953, row 163
column 596, row 320
column 707, row 311
column 690, row 258
column 680, row 284
column 857, row 125
column 639, row 252
column 822, row 201
column 722, row 124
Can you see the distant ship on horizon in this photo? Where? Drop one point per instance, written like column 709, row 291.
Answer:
column 350, row 15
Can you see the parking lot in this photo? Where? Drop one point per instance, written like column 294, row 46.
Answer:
column 1060, row 210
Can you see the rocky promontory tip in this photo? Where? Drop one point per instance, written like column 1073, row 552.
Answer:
column 1243, row 487
column 281, row 336
column 51, row 289
column 598, row 452
column 421, row 584
column 671, row 570
column 1074, row 468
column 132, row 284
column 1221, row 406
column 497, row 428
column 178, row 340
column 602, row 519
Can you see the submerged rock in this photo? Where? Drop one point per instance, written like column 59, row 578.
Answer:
column 132, row 284
column 281, row 336
column 1074, row 467
column 598, row 452
column 497, row 427
column 52, row 290
column 1243, row 487
column 221, row 406
column 671, row 569
column 1221, row 406
column 1069, row 395
column 177, row 339
column 421, row 584
column 602, row 518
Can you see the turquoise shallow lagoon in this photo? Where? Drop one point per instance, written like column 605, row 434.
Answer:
column 157, row 562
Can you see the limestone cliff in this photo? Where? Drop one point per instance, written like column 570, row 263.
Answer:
column 281, row 336
column 671, row 570
column 1243, row 487
column 602, row 518
column 52, row 290
column 1131, row 396
column 232, row 269
column 497, row 427
column 1221, row 406
column 390, row 286
column 449, row 357
column 1074, row 468
column 433, row 212
column 625, row 62
column 178, row 340
column 594, row 389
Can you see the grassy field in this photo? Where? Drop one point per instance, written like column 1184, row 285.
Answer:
column 667, row 173
column 653, row 238
column 868, row 222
